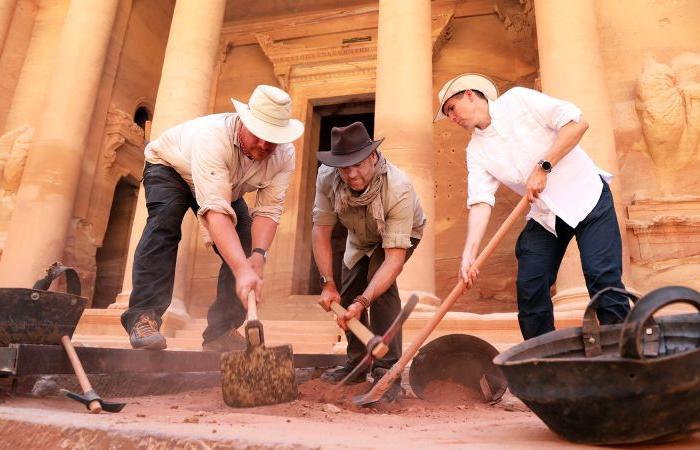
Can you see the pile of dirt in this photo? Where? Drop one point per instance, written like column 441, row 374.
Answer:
column 449, row 393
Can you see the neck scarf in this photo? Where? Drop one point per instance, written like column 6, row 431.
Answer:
column 370, row 197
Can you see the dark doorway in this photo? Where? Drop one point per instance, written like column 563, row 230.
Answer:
column 141, row 116
column 111, row 257
column 338, row 116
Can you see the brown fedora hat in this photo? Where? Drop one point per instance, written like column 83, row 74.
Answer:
column 349, row 146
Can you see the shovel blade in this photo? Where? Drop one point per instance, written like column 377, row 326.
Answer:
column 258, row 376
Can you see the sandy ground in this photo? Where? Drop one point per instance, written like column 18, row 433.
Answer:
column 321, row 418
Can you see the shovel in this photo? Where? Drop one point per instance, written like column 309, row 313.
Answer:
column 258, row 375
column 380, row 387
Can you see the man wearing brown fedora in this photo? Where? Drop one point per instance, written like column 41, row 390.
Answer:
column 206, row 165
column 529, row 141
column 377, row 204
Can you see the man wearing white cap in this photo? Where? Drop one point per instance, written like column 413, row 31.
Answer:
column 530, row 142
column 207, row 164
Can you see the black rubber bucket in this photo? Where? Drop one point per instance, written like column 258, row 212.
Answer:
column 615, row 384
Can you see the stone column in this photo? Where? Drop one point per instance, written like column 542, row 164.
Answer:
column 7, row 10
column 183, row 94
column 403, row 115
column 39, row 225
column 571, row 68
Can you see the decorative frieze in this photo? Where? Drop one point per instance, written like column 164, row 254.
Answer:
column 518, row 17
column 119, row 130
column 667, row 230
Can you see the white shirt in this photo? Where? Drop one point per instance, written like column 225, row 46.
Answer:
column 524, row 125
column 206, row 153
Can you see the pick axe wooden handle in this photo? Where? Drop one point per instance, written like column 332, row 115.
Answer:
column 362, row 332
column 385, row 382
column 94, row 405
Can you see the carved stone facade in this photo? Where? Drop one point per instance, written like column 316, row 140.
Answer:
column 327, row 55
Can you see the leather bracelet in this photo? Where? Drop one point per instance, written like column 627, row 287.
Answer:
column 364, row 301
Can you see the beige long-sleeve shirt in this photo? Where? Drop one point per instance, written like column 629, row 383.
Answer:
column 206, row 153
column 403, row 215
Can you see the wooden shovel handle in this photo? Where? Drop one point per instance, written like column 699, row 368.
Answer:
column 396, row 371
column 362, row 332
column 252, row 306
column 94, row 406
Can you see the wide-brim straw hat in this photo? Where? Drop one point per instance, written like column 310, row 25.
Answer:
column 465, row 82
column 268, row 115
column 349, row 146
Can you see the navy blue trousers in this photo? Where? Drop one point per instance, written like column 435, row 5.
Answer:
column 539, row 255
column 168, row 197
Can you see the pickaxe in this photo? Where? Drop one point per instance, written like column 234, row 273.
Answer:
column 90, row 399
column 377, row 346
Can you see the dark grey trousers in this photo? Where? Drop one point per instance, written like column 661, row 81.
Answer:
column 168, row 197
column 383, row 311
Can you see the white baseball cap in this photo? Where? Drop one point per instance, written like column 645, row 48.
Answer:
column 465, row 82
column 268, row 115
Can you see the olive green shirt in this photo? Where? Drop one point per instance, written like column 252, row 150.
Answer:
column 403, row 215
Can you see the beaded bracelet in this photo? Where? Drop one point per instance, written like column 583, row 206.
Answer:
column 363, row 300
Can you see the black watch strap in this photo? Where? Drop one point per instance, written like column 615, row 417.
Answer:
column 263, row 252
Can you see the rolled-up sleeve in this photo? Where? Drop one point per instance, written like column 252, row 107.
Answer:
column 269, row 200
column 549, row 111
column 323, row 212
column 481, row 185
column 399, row 222
column 210, row 176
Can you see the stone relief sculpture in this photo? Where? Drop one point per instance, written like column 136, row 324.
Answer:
column 668, row 106
column 14, row 146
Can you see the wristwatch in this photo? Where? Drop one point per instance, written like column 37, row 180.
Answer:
column 263, row 252
column 324, row 280
column 545, row 165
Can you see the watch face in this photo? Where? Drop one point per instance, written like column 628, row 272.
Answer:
column 546, row 165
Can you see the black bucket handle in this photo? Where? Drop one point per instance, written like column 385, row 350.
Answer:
column 630, row 336
column 590, row 329
column 54, row 271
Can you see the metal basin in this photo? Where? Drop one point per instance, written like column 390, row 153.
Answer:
column 615, row 384
column 39, row 316
column 462, row 359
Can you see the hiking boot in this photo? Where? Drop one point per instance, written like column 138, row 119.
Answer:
column 394, row 392
column 145, row 334
column 227, row 342
column 336, row 374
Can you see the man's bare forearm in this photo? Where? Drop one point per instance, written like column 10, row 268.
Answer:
column 263, row 232
column 478, row 220
column 385, row 276
column 321, row 245
column 224, row 235
column 568, row 137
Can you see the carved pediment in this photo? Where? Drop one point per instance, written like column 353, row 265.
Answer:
column 355, row 54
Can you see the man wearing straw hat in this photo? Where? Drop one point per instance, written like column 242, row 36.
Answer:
column 207, row 164
column 530, row 142
column 376, row 202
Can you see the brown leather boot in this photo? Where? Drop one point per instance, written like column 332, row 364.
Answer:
column 227, row 342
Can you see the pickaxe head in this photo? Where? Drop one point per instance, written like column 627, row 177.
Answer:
column 386, row 339
column 91, row 396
